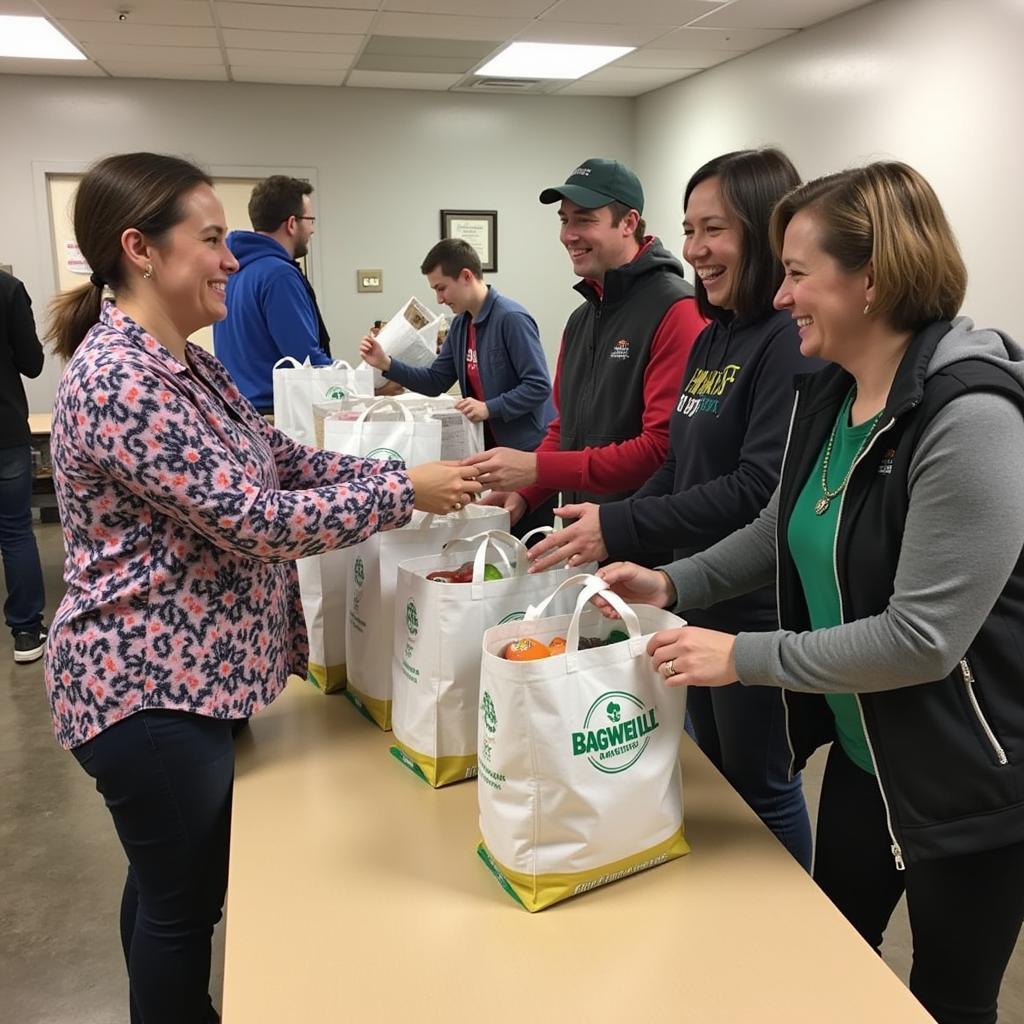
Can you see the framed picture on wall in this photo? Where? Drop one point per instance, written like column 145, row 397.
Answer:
column 479, row 228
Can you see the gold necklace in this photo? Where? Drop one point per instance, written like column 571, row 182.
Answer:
column 822, row 504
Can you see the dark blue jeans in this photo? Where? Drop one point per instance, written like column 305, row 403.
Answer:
column 166, row 779
column 742, row 729
column 23, row 609
column 965, row 911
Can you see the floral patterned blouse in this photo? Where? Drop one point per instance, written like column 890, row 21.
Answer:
column 183, row 512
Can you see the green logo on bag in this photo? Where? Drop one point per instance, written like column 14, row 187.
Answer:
column 412, row 622
column 358, row 572
column 385, row 453
column 490, row 715
column 512, row 617
column 336, row 392
column 611, row 744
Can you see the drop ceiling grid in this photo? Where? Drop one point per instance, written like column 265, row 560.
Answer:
column 322, row 41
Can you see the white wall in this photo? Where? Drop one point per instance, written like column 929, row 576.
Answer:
column 935, row 83
column 385, row 163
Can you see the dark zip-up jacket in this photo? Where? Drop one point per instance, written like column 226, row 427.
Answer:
column 21, row 354
column 928, row 563
column 941, row 748
column 513, row 370
column 726, row 438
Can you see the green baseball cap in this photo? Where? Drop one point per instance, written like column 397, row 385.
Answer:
column 598, row 182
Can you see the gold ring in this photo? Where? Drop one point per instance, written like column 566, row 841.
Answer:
column 669, row 668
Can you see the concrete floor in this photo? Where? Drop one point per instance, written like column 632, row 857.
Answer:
column 60, row 956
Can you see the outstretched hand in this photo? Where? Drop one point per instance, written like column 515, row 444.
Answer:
column 579, row 542
column 443, row 487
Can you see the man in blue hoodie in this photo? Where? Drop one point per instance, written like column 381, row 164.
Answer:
column 272, row 311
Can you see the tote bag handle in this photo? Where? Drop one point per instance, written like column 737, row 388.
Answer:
column 289, row 361
column 592, row 585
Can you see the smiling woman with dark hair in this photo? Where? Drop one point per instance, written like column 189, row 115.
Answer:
column 183, row 512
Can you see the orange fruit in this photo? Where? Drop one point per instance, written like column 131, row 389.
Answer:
column 557, row 645
column 526, row 649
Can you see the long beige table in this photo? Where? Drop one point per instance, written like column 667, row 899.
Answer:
column 356, row 896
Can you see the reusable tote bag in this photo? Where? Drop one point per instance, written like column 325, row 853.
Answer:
column 460, row 436
column 579, row 779
column 386, row 429
column 299, row 386
column 370, row 598
column 322, row 582
column 437, row 645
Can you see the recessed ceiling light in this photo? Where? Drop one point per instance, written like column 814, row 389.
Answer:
column 34, row 37
column 551, row 60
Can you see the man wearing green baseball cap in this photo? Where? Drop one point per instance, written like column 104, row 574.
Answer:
column 623, row 353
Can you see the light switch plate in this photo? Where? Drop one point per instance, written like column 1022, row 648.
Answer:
column 369, row 280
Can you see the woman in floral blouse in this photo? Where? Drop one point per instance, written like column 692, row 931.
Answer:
column 183, row 513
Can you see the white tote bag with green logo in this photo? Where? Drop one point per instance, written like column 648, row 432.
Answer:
column 579, row 779
column 437, row 646
column 298, row 387
column 370, row 619
column 386, row 429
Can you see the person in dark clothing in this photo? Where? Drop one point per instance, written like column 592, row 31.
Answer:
column 895, row 540
column 727, row 434
column 622, row 355
column 21, row 354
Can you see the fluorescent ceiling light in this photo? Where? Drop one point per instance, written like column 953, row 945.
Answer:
column 551, row 60
column 34, row 37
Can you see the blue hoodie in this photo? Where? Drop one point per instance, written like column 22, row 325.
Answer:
column 270, row 315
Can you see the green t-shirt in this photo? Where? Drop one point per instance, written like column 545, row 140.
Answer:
column 812, row 542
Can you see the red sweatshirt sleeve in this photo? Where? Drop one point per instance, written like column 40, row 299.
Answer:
column 626, row 464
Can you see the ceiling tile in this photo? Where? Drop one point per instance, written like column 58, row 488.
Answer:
column 294, row 42
column 339, row 5
column 614, row 88
column 473, row 8
column 131, row 34
column 143, row 12
column 278, row 18
column 444, row 27
column 35, row 66
column 779, row 13
column 636, row 12
column 167, row 56
column 433, row 65
column 151, row 69
column 652, row 57
column 592, row 35
column 652, row 77
column 410, row 46
column 284, row 59
column 738, row 40
column 400, row 80
column 20, row 8
column 289, row 76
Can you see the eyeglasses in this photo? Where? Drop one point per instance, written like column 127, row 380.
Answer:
column 312, row 220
